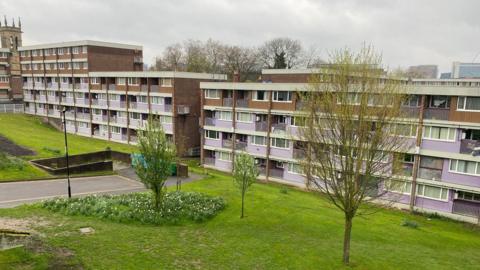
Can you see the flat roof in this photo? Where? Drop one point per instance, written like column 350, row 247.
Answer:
column 4, row 50
column 158, row 74
column 81, row 43
column 409, row 89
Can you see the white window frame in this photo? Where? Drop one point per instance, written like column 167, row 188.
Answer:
column 428, row 136
column 120, row 81
column 208, row 93
column 255, row 94
column 275, row 96
column 421, row 192
column 221, row 157
column 464, row 104
column 243, row 121
column 291, row 170
column 217, row 137
column 220, row 115
column 455, row 170
column 272, row 144
column 253, row 141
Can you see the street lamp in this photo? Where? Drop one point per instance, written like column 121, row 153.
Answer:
column 66, row 151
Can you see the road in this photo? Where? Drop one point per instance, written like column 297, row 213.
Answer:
column 16, row 193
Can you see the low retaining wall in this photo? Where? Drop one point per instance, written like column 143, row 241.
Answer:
column 89, row 162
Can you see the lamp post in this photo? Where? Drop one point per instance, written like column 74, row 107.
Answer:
column 66, row 151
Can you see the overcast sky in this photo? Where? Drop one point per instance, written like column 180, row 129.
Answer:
column 407, row 32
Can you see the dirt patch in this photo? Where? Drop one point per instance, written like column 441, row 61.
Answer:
column 14, row 149
column 23, row 225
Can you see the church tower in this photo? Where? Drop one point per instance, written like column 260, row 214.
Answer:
column 10, row 41
column 11, row 35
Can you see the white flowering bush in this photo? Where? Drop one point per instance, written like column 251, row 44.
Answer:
column 138, row 207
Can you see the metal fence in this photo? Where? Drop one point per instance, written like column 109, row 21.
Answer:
column 11, row 108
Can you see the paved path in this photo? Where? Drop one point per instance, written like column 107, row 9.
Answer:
column 16, row 193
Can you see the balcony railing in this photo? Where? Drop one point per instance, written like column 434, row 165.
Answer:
column 112, row 86
column 167, row 107
column 209, row 121
column 240, row 145
column 299, row 105
column 227, row 102
column 227, row 143
column 278, row 173
column 262, row 170
column 466, row 208
column 154, row 88
column 243, row 103
column 209, row 160
column 436, row 114
column 261, row 126
column 470, row 147
column 410, row 112
column 279, row 127
column 144, row 88
column 299, row 153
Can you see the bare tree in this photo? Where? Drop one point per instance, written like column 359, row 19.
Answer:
column 350, row 109
column 280, row 53
column 215, row 56
column 195, row 56
column 242, row 60
column 310, row 57
column 174, row 58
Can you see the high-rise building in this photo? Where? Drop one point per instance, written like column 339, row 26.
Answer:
column 465, row 70
column 260, row 118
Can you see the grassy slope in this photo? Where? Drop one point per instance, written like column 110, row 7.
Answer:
column 30, row 132
column 296, row 230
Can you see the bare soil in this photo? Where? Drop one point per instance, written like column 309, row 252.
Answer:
column 14, row 149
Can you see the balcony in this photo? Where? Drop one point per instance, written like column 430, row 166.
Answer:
column 144, row 88
column 277, row 173
column 243, row 103
column 466, row 208
column 436, row 114
column 209, row 121
column 279, row 128
column 299, row 153
column 167, row 107
column 262, row 170
column 470, row 147
column 132, row 105
column 410, row 112
column 227, row 143
column 154, row 88
column 209, row 161
column 227, row 102
column 138, row 59
column 261, row 126
column 112, row 86
column 299, row 105
column 240, row 145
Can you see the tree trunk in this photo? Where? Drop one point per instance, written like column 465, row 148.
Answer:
column 346, row 240
column 243, row 199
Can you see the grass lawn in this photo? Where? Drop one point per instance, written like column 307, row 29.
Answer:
column 28, row 131
column 293, row 230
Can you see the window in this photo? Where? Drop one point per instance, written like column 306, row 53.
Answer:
column 468, row 104
column 60, row 51
column 259, row 140
column 440, row 102
column 295, row 168
column 166, row 82
column 430, row 168
column 261, row 95
column 224, row 156
column 132, row 81
column 298, row 121
column 244, row 117
column 76, row 50
column 116, row 130
column 211, row 134
column 94, row 80
column 134, row 115
column 280, row 143
column 406, row 130
column 120, row 81
column 223, row 115
column 82, row 125
column 85, row 65
column 432, row 192
column 412, row 101
column 399, row 186
column 474, row 197
column 84, row 49
column 439, row 133
column 464, row 166
column 156, row 100
column 76, row 65
column 164, row 119
column 212, row 93
column 114, row 97
column 61, row 65
column 282, row 96
column 142, row 99
column 34, row 53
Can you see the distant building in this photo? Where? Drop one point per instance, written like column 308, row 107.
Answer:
column 10, row 77
column 446, row 75
column 465, row 70
column 423, row 71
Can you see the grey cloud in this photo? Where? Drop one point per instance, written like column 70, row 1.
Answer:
column 407, row 32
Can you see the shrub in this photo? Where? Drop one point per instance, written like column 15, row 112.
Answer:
column 284, row 190
column 139, row 207
column 410, row 223
column 11, row 162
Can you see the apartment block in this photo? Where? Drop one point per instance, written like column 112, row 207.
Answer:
column 106, row 94
column 260, row 118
